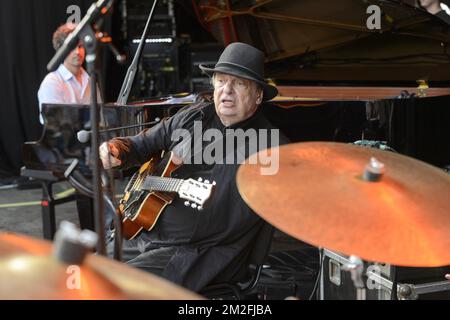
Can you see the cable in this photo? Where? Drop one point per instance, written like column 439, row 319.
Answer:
column 321, row 260
column 299, row 262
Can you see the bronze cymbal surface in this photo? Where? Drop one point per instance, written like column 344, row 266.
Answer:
column 318, row 195
column 29, row 271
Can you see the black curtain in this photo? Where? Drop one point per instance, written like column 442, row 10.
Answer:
column 420, row 128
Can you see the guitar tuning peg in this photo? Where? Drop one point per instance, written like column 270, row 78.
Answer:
column 214, row 183
column 199, row 208
column 193, row 206
column 207, row 181
column 187, row 203
column 200, row 179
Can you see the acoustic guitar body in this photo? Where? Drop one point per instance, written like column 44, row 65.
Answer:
column 140, row 209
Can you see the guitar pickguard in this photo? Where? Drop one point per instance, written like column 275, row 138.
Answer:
column 131, row 207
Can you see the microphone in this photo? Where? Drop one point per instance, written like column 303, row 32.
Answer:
column 85, row 135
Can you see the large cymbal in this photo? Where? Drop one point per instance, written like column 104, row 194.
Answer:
column 28, row 271
column 318, row 196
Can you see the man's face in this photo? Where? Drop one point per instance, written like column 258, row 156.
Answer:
column 76, row 57
column 236, row 99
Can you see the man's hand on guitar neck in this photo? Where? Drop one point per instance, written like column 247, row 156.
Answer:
column 109, row 155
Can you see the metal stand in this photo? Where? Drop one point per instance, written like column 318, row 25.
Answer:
column 89, row 41
column 356, row 269
column 85, row 33
column 352, row 264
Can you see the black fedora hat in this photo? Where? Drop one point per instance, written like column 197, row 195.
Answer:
column 242, row 60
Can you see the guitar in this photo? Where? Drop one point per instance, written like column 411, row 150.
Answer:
column 151, row 189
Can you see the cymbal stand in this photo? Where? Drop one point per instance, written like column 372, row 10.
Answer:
column 356, row 269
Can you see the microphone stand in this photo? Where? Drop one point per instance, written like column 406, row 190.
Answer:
column 84, row 32
column 83, row 136
column 90, row 45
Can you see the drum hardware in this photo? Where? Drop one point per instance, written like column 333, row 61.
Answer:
column 407, row 291
column 353, row 265
column 356, row 268
column 71, row 245
column 374, row 170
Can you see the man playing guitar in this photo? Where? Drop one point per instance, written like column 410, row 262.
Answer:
column 190, row 247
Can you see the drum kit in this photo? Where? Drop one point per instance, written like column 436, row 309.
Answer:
column 364, row 202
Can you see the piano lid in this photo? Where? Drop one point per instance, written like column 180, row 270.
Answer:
column 328, row 41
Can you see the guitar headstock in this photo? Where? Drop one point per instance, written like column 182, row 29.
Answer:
column 197, row 192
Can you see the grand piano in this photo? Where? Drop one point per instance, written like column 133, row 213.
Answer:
column 389, row 83
column 338, row 81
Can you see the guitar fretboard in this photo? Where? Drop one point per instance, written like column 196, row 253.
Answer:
column 153, row 183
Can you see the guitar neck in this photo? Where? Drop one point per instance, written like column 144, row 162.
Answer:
column 154, row 183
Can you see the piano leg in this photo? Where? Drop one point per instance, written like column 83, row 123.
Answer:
column 48, row 204
column 85, row 211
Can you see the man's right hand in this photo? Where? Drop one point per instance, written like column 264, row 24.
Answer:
column 109, row 155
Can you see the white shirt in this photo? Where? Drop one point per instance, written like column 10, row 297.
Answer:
column 61, row 86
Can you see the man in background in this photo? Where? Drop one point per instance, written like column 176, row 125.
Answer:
column 70, row 82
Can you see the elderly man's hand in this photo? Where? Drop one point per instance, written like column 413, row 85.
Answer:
column 109, row 155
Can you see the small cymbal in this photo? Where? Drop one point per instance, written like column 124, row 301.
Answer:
column 318, row 196
column 28, row 271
